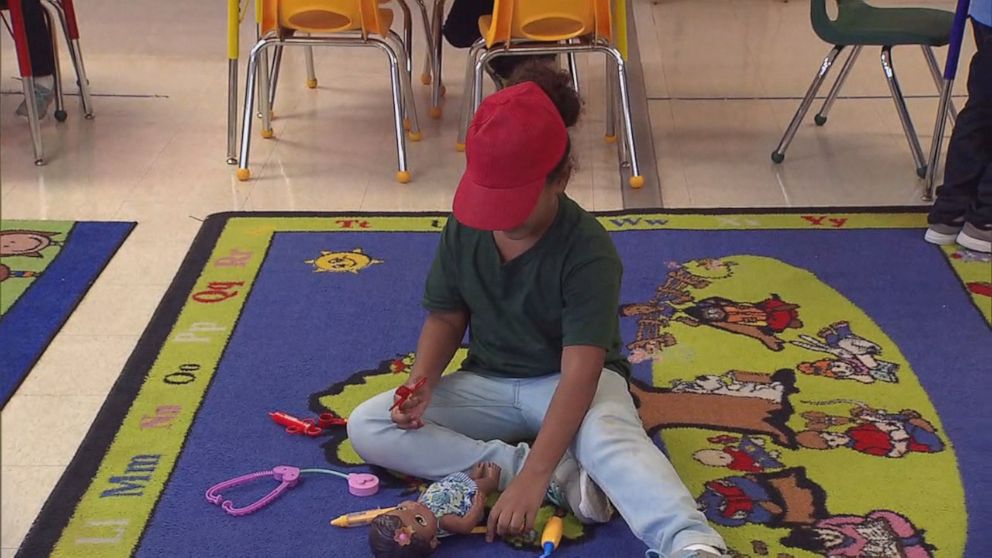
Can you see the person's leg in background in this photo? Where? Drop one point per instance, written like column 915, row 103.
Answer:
column 461, row 29
column 42, row 56
column 977, row 232
column 963, row 208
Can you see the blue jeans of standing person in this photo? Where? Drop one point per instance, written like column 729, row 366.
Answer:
column 967, row 189
column 474, row 418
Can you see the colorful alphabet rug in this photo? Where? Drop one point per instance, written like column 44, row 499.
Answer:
column 46, row 267
column 819, row 379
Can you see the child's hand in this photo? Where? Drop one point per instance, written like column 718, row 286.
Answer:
column 516, row 509
column 409, row 415
column 478, row 510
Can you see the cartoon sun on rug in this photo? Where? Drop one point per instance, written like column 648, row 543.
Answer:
column 341, row 262
column 788, row 412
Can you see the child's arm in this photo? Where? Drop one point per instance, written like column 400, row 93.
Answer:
column 439, row 339
column 463, row 525
column 581, row 366
column 517, row 507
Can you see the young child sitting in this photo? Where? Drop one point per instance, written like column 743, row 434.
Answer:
column 456, row 504
column 536, row 280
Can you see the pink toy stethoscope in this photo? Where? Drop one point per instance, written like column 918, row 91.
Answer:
column 359, row 484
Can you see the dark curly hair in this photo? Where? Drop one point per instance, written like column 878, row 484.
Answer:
column 382, row 533
column 557, row 85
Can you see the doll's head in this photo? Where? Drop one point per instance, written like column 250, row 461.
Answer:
column 409, row 531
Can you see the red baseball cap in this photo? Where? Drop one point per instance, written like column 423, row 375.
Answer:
column 516, row 139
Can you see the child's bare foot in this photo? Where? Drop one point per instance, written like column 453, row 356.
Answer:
column 478, row 471
column 487, row 478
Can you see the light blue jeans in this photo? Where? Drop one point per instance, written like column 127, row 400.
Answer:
column 472, row 418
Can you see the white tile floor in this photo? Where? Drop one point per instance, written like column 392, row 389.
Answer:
column 723, row 78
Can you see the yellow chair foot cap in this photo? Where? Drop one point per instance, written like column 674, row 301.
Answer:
column 436, row 112
column 610, row 139
column 267, row 134
column 636, row 182
column 244, row 174
column 312, row 83
column 403, row 177
column 460, row 147
column 415, row 136
column 425, row 78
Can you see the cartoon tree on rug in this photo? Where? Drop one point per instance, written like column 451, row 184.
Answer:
column 801, row 457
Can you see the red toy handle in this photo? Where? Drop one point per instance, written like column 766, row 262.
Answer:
column 404, row 392
column 294, row 425
column 327, row 420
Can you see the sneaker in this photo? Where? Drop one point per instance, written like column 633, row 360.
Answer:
column 976, row 237
column 42, row 100
column 943, row 234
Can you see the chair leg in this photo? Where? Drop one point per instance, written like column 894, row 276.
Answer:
column 264, row 104
column 437, row 87
column 573, row 70
column 262, row 79
column 311, row 72
column 411, row 122
column 255, row 61
column 426, row 76
column 907, row 122
column 938, row 137
column 407, row 35
column 779, row 154
column 232, row 110
column 20, row 35
column 67, row 18
column 938, row 78
column 396, row 81
column 60, row 114
column 821, row 117
column 29, row 96
column 274, row 80
column 611, row 102
column 636, row 178
column 464, row 116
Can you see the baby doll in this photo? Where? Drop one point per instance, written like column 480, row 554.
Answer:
column 456, row 504
column 453, row 505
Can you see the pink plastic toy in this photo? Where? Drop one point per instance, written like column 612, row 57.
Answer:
column 359, row 484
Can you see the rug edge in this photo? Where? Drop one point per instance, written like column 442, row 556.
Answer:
column 911, row 209
column 5, row 398
column 54, row 516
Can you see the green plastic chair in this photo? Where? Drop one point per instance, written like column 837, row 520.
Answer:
column 857, row 25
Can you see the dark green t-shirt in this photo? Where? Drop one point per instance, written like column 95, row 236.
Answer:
column 564, row 291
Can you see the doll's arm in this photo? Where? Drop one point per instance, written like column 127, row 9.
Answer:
column 463, row 525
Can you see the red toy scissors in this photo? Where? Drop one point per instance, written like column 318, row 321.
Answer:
column 404, row 392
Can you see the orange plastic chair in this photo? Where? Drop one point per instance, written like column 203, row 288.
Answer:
column 340, row 23
column 533, row 27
